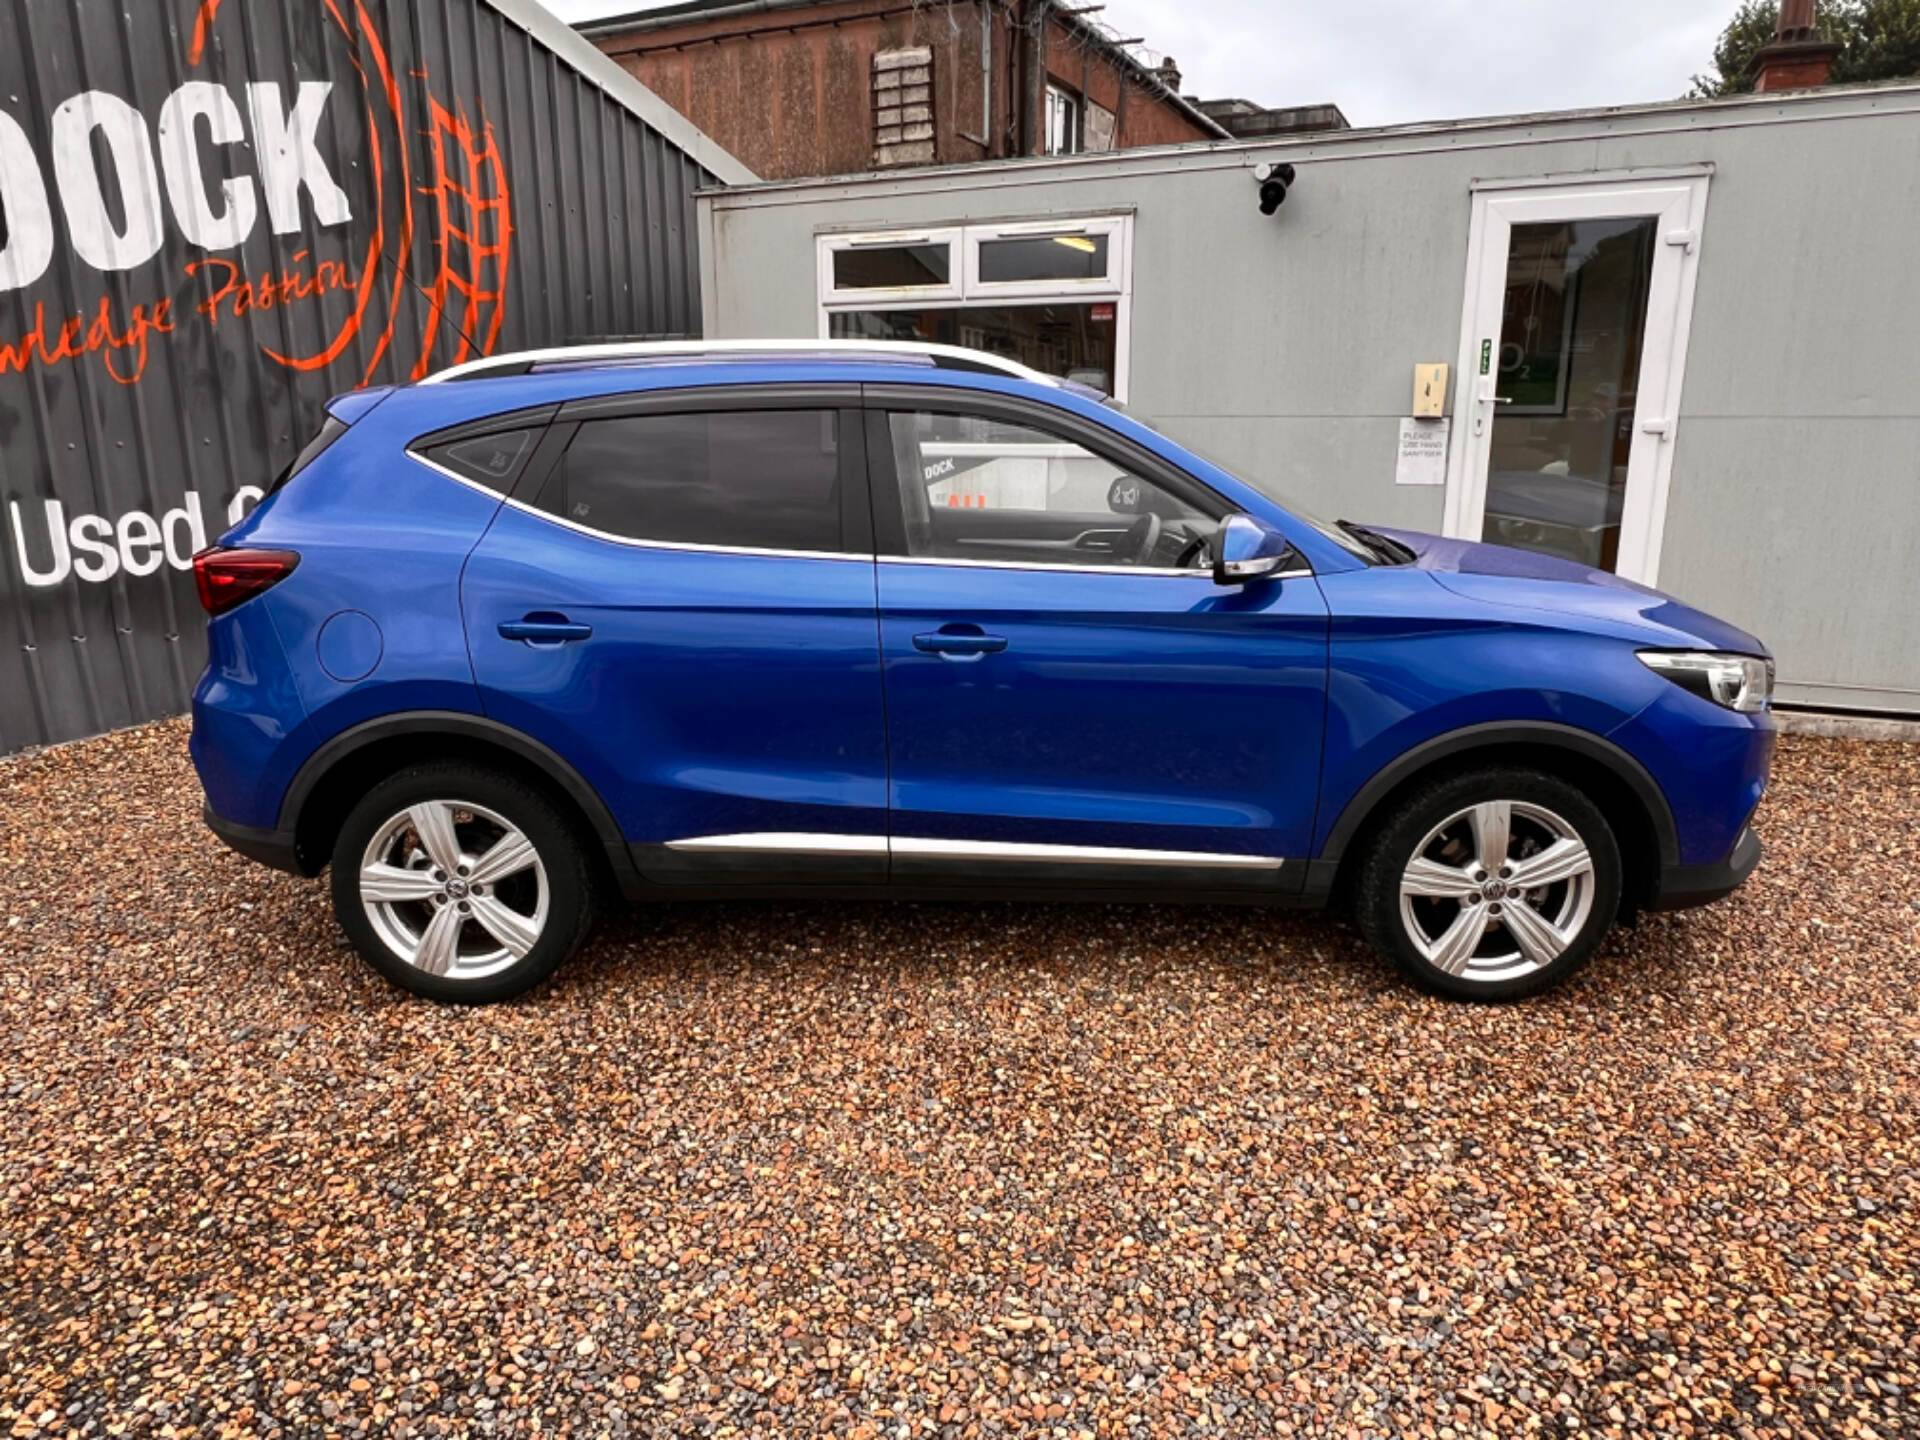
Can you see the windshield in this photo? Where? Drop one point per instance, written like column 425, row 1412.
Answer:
column 1347, row 540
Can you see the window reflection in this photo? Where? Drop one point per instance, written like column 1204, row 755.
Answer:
column 1568, row 372
column 1074, row 342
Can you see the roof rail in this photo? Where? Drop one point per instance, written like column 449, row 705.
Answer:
column 946, row 357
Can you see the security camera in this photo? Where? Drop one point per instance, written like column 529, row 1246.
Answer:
column 1274, row 180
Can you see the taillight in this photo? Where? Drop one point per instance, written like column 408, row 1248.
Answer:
column 228, row 577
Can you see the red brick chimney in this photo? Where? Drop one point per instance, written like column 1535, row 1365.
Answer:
column 1796, row 58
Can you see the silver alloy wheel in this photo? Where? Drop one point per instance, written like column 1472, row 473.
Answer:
column 454, row 889
column 1497, row 891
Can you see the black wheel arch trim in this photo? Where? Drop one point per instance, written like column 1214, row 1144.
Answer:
column 1682, row 887
column 475, row 727
column 1317, row 877
column 1491, row 736
column 273, row 848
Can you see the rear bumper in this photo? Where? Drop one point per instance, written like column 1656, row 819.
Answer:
column 1683, row 886
column 269, row 847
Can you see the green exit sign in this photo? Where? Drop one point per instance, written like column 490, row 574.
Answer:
column 1486, row 357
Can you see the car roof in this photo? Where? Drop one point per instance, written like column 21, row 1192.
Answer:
column 511, row 391
column 520, row 380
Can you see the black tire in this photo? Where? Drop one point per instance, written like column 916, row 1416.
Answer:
column 480, row 803
column 1591, row 899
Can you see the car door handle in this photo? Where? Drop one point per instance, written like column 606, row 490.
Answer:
column 960, row 641
column 542, row 629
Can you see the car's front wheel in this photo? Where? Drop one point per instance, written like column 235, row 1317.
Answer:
column 460, row 883
column 1490, row 885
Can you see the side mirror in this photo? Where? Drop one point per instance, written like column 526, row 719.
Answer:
column 1248, row 549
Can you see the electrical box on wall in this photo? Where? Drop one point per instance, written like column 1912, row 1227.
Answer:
column 1429, row 392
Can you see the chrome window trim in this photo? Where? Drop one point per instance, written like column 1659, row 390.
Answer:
column 804, row 843
column 438, row 468
column 565, row 523
column 1043, row 565
column 685, row 545
column 1199, row 574
column 690, row 547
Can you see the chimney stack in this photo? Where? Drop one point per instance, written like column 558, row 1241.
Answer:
column 1169, row 74
column 1796, row 58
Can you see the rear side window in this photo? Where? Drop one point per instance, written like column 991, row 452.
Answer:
column 751, row 479
column 488, row 460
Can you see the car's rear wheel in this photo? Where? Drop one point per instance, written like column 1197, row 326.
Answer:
column 460, row 883
column 1490, row 885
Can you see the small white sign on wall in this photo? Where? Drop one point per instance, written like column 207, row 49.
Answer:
column 1423, row 452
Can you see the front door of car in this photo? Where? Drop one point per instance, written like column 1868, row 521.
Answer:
column 683, row 609
column 1070, row 697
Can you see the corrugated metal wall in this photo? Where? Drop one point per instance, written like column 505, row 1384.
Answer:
column 214, row 214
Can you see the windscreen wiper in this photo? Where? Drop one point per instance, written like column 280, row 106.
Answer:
column 1388, row 549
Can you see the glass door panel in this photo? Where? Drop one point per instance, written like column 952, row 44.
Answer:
column 1567, row 373
column 1573, row 345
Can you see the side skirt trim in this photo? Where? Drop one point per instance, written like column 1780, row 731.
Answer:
column 1077, row 854
column 784, row 843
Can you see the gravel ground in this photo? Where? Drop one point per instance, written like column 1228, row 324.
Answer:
column 955, row 1171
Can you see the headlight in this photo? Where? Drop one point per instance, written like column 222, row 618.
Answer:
column 1739, row 682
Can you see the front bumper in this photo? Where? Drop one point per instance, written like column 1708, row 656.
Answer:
column 1681, row 887
column 269, row 847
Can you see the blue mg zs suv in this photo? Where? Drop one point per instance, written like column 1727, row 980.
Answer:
column 877, row 621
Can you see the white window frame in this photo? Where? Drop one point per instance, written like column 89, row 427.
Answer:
column 967, row 289
column 863, row 299
column 1117, row 229
column 1064, row 105
column 1677, row 200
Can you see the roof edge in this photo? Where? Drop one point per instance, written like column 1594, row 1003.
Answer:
column 1487, row 130
column 1145, row 73
column 662, row 17
column 587, row 58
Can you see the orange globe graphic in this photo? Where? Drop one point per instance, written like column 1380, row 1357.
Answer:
column 461, row 202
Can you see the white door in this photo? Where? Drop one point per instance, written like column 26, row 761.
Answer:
column 1572, row 346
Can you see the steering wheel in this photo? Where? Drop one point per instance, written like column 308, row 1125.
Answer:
column 1191, row 552
column 1141, row 538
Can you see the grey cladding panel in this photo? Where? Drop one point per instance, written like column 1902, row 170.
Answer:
column 1285, row 345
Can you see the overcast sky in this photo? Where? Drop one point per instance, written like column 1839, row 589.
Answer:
column 1388, row 61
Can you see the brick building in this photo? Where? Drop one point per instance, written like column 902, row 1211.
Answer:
column 825, row 87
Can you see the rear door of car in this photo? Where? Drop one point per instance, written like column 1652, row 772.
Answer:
column 680, row 602
column 1071, row 700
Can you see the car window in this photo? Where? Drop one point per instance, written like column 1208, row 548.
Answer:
column 330, row 430
column 488, row 460
column 1328, row 531
column 754, row 479
column 974, row 488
